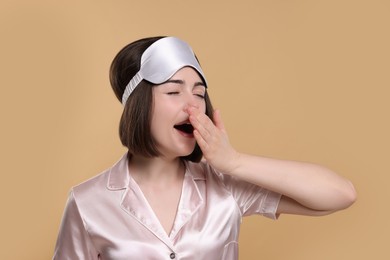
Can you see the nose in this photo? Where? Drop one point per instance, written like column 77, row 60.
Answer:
column 192, row 100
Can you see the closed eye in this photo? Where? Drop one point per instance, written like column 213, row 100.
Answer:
column 173, row 93
column 199, row 95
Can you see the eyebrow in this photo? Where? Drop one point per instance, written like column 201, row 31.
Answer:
column 181, row 82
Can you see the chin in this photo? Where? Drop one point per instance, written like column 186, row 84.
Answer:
column 187, row 151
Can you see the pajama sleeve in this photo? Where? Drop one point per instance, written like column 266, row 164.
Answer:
column 250, row 198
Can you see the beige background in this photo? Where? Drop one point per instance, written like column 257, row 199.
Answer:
column 303, row 80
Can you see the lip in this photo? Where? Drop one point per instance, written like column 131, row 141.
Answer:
column 186, row 121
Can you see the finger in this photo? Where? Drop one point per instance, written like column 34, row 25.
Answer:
column 201, row 142
column 218, row 120
column 201, row 122
column 199, row 127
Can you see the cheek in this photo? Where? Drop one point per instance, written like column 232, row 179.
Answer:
column 202, row 106
column 160, row 117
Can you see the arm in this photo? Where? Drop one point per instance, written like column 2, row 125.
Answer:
column 307, row 188
column 309, row 185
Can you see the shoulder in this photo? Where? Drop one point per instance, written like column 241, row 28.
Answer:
column 94, row 183
column 200, row 170
column 111, row 179
column 204, row 171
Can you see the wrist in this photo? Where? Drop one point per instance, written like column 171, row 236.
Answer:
column 233, row 163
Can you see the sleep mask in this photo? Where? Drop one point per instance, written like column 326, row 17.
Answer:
column 160, row 61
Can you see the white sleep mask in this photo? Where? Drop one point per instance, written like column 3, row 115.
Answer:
column 160, row 61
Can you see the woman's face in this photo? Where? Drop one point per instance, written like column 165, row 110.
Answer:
column 170, row 126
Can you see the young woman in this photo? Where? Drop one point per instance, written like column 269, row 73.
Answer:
column 161, row 201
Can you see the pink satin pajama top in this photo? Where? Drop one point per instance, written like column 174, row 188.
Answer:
column 108, row 217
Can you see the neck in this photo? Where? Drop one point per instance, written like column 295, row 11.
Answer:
column 155, row 169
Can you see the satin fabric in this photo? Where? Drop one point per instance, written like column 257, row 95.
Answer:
column 161, row 60
column 108, row 217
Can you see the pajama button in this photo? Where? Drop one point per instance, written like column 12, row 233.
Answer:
column 172, row 256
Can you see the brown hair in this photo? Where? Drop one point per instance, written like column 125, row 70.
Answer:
column 134, row 126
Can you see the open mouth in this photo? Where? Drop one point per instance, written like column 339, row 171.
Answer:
column 185, row 128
